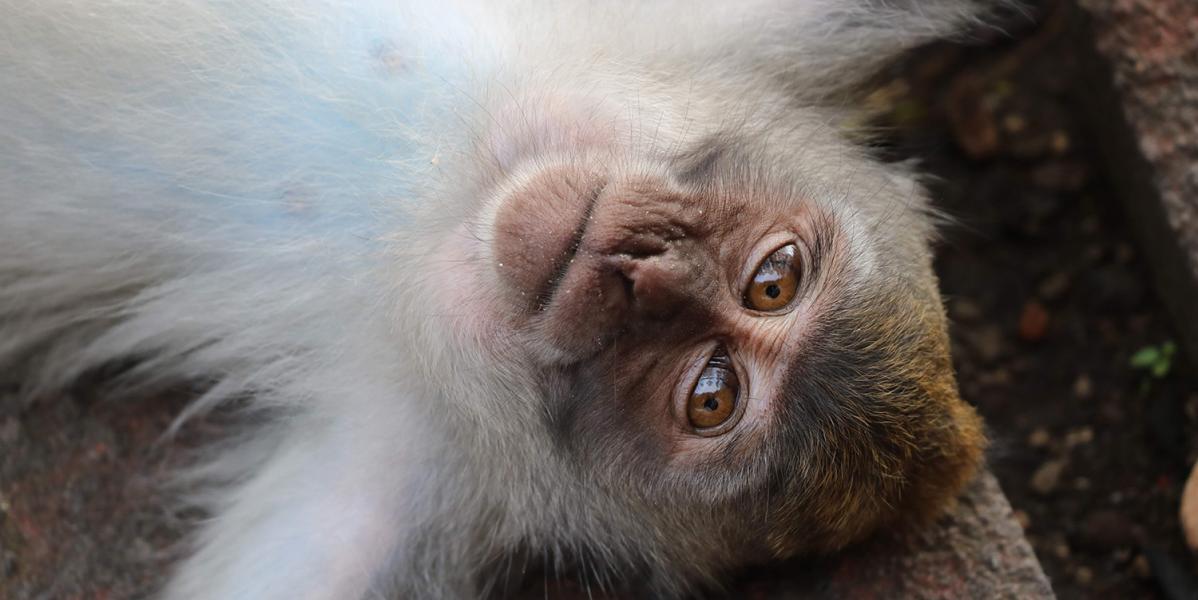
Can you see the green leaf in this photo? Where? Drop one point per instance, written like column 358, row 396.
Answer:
column 1160, row 369
column 1145, row 357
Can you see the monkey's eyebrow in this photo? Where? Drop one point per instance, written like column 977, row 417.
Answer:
column 698, row 164
column 824, row 233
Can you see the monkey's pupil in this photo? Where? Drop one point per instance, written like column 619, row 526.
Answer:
column 773, row 291
column 711, row 404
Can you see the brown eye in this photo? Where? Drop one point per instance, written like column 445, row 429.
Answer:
column 775, row 282
column 713, row 399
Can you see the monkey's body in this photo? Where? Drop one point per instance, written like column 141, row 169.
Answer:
column 316, row 207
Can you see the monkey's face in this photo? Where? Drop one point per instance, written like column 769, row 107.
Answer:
column 756, row 370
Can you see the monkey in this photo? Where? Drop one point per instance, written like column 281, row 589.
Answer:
column 610, row 284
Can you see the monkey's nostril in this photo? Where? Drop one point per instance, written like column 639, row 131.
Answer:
column 654, row 286
column 628, row 284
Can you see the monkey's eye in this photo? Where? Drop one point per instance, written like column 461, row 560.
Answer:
column 775, row 282
column 713, row 399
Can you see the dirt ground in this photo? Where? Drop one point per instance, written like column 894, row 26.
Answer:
column 1059, row 338
column 1049, row 297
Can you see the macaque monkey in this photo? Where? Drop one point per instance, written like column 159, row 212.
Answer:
column 603, row 283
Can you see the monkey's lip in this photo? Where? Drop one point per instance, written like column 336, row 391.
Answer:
column 539, row 228
column 549, row 289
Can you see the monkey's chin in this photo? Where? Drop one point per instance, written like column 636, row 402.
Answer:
column 457, row 291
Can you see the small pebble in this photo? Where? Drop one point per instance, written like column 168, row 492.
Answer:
column 1140, row 567
column 1039, row 438
column 1054, row 286
column 1082, row 386
column 1014, row 123
column 1033, row 322
column 1044, row 481
column 1083, row 575
column 1079, row 436
column 1060, row 142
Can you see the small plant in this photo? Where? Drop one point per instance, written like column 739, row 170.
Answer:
column 1156, row 360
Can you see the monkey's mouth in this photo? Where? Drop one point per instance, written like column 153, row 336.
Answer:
column 539, row 229
column 545, row 296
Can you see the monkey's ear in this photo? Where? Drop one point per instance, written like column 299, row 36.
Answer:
column 828, row 47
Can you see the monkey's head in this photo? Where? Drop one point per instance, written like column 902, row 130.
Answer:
column 733, row 337
column 737, row 346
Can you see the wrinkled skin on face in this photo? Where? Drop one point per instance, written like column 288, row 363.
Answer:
column 630, row 276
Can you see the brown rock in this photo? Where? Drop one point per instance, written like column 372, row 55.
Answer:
column 1079, row 436
column 1140, row 567
column 1054, row 286
column 1082, row 386
column 1048, row 476
column 1033, row 322
column 1083, row 576
column 1039, row 438
column 1140, row 99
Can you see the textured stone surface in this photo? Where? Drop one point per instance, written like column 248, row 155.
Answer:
column 978, row 551
column 1148, row 131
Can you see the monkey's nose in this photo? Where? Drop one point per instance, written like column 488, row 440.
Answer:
column 658, row 286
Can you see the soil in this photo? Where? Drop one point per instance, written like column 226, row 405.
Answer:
column 1049, row 297
column 1050, row 301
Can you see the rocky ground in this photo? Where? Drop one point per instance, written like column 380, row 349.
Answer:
column 1059, row 337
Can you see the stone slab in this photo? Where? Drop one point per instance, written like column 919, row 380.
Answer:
column 977, row 551
column 1143, row 104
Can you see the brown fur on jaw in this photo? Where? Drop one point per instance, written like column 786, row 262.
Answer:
column 898, row 446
